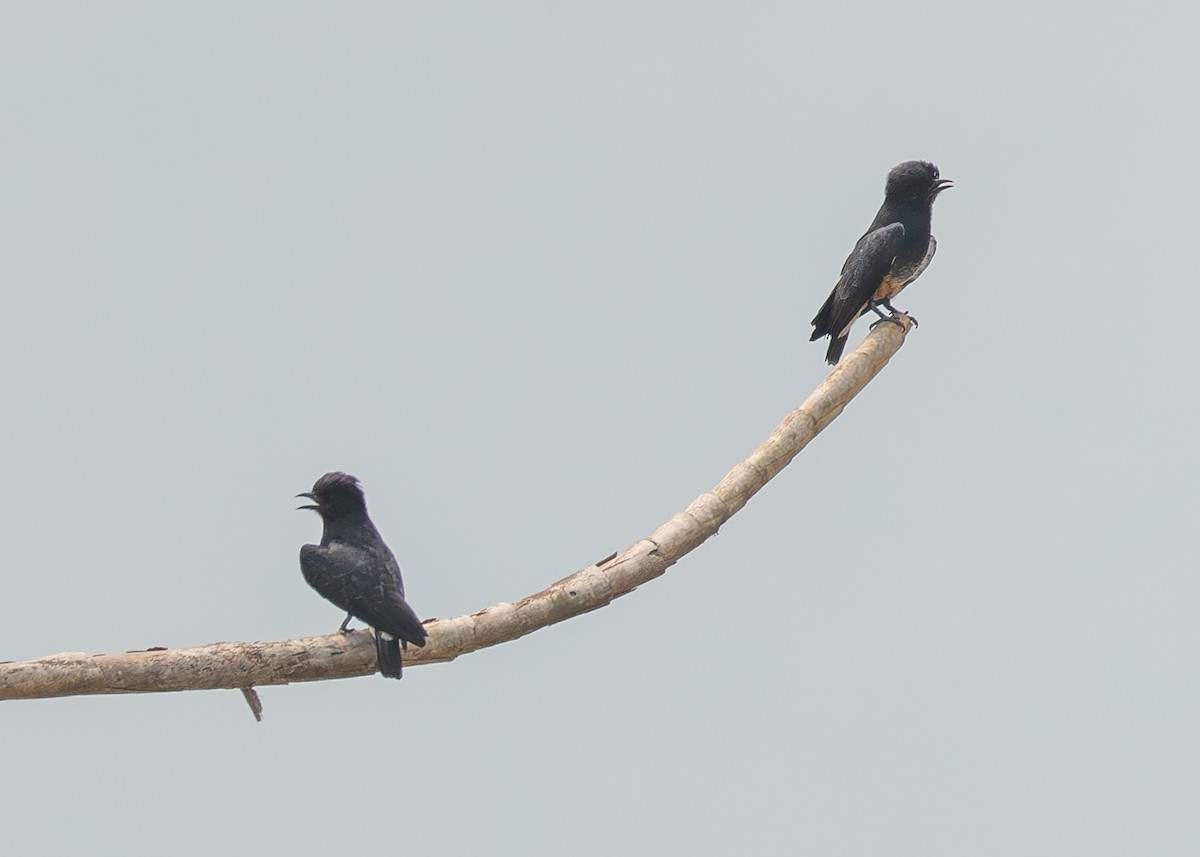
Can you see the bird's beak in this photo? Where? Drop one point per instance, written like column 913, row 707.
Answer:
column 941, row 185
column 307, row 497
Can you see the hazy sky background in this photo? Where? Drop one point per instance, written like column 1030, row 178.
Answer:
column 539, row 274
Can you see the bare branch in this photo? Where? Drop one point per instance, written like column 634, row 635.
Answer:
column 245, row 665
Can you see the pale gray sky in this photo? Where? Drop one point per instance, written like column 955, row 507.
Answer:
column 539, row 274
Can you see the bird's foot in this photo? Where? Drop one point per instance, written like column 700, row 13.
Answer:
column 897, row 317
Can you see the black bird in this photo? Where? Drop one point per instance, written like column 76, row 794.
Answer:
column 354, row 569
column 896, row 248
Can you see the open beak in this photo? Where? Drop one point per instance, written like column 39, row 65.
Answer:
column 307, row 497
column 941, row 185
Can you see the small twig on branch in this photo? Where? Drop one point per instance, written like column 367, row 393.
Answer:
column 245, row 665
column 253, row 701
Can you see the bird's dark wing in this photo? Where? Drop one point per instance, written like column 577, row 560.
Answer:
column 377, row 598
column 865, row 268
column 327, row 570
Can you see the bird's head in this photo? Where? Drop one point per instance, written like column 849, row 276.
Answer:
column 335, row 494
column 915, row 181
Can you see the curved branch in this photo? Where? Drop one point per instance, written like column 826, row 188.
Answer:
column 244, row 665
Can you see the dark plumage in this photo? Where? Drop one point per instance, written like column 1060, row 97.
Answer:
column 354, row 569
column 896, row 248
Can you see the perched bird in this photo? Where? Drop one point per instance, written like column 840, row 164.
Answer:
column 354, row 569
column 896, row 248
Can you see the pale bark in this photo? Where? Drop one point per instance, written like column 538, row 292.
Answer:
column 244, row 665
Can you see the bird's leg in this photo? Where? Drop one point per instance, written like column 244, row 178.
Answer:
column 887, row 302
column 346, row 622
column 873, row 306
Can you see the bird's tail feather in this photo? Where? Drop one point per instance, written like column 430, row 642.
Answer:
column 837, row 344
column 820, row 321
column 387, row 652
